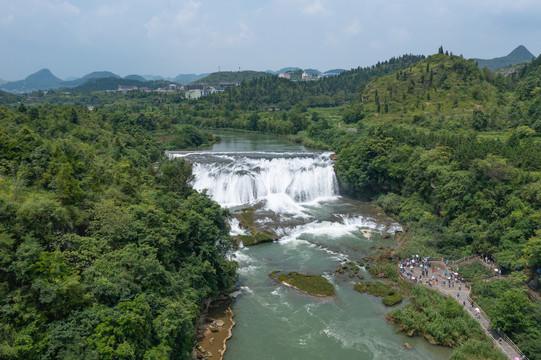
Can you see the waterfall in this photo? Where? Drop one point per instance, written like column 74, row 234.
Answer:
column 279, row 181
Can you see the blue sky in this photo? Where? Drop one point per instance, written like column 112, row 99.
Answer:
column 170, row 37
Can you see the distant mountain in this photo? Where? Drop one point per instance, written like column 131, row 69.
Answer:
column 2, row 81
column 184, row 79
column 312, row 71
column 43, row 79
column 153, row 77
column 100, row 75
column 135, row 77
column 517, row 56
column 287, row 69
column 215, row 79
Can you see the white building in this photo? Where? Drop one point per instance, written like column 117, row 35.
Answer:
column 193, row 94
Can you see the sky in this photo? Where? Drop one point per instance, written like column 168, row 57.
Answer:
column 170, row 37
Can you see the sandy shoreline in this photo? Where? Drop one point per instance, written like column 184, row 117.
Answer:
column 214, row 329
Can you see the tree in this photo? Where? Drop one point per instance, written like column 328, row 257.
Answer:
column 253, row 120
column 532, row 251
column 480, row 120
column 512, row 313
column 73, row 117
column 67, row 186
column 175, row 175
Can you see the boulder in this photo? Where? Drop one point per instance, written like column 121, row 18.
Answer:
column 219, row 323
column 408, row 346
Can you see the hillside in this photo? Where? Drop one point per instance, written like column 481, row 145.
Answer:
column 135, row 77
column 215, row 79
column 517, row 56
column 330, row 91
column 441, row 91
column 8, row 98
column 113, row 83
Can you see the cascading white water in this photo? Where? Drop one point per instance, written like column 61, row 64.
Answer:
column 294, row 195
column 281, row 181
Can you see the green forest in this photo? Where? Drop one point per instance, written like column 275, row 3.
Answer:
column 107, row 252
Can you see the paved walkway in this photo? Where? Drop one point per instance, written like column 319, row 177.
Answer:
column 461, row 292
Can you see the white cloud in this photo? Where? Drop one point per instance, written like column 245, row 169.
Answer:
column 353, row 29
column 155, row 26
column 315, row 8
column 176, row 25
column 55, row 8
column 187, row 15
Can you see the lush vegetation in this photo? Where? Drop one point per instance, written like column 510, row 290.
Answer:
column 8, row 98
column 440, row 168
column 511, row 310
column 105, row 250
column 442, row 321
column 475, row 271
column 215, row 79
column 451, row 150
column 390, row 295
column 275, row 93
column 312, row 284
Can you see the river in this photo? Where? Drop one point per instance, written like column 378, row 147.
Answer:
column 296, row 196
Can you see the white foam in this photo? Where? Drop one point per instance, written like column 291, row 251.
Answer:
column 245, row 270
column 246, row 289
column 235, row 228
column 283, row 181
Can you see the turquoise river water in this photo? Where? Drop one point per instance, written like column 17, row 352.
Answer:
column 296, row 196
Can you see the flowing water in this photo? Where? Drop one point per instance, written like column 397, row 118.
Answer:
column 296, row 196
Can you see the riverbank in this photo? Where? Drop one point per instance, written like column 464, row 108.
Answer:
column 214, row 329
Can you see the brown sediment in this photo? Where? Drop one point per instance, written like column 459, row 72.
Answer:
column 214, row 329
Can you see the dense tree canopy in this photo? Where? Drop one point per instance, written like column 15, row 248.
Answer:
column 102, row 254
